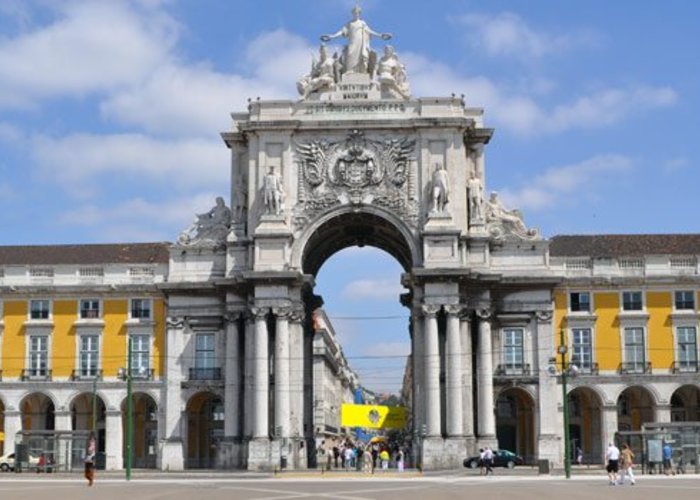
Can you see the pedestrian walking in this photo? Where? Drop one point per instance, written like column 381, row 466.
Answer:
column 90, row 452
column 384, row 458
column 579, row 456
column 626, row 463
column 612, row 456
column 488, row 460
column 481, row 461
column 667, row 455
column 399, row 460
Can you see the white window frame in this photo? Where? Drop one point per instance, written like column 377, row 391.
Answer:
column 677, row 350
column 99, row 309
column 645, row 346
column 28, row 356
column 632, row 311
column 149, row 342
column 150, row 309
column 50, row 311
column 590, row 301
column 591, row 332
column 693, row 295
column 511, row 368
column 212, row 359
column 79, row 349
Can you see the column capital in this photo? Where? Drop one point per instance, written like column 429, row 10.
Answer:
column 282, row 312
column 544, row 316
column 297, row 314
column 455, row 309
column 430, row 310
column 484, row 313
column 259, row 313
column 233, row 316
column 175, row 321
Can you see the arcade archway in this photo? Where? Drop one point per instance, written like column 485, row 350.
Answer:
column 585, row 424
column 205, row 429
column 635, row 407
column 38, row 412
column 515, row 423
column 88, row 414
column 685, row 404
column 145, row 430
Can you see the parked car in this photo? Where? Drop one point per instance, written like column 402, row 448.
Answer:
column 501, row 458
column 7, row 462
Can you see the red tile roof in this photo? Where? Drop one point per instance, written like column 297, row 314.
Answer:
column 624, row 245
column 117, row 253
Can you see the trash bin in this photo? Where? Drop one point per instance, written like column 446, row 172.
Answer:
column 543, row 466
column 283, row 462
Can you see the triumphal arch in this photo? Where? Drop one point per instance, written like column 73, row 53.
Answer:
column 358, row 160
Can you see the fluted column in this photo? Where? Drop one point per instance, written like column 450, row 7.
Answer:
column 232, row 377
column 487, row 421
column 296, row 370
column 282, row 384
column 467, row 371
column 261, row 375
column 114, row 439
column 431, row 360
column 453, row 361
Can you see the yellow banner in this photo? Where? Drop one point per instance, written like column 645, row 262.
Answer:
column 373, row 416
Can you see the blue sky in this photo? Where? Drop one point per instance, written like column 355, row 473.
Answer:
column 110, row 114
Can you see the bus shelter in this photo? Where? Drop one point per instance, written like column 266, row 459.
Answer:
column 50, row 450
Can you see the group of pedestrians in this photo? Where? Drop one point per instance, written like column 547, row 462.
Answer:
column 620, row 464
column 485, row 461
column 351, row 455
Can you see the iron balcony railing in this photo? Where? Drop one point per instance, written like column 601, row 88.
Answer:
column 685, row 367
column 142, row 373
column 35, row 374
column 86, row 374
column 587, row 369
column 205, row 374
column 509, row 370
column 635, row 367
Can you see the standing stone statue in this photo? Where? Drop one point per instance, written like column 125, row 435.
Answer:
column 273, row 192
column 357, row 55
column 440, row 188
column 476, row 199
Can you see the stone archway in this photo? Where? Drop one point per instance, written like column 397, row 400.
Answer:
column 2, row 426
column 586, row 424
column 685, row 404
column 88, row 413
column 145, row 430
column 515, row 423
column 205, row 430
column 38, row 412
column 635, row 407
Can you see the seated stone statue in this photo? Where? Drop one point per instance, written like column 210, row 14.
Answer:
column 503, row 222
column 322, row 76
column 211, row 226
column 392, row 74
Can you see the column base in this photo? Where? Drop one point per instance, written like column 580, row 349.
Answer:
column 550, row 447
column 438, row 453
column 260, row 455
column 232, row 452
column 484, row 441
column 171, row 456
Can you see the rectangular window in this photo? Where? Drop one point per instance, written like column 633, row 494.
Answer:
column 685, row 300
column 513, row 350
column 204, row 351
column 686, row 336
column 141, row 308
column 635, row 357
column 89, row 309
column 140, row 355
column 582, row 348
column 38, row 355
column 580, row 301
column 632, row 301
column 39, row 309
column 89, row 355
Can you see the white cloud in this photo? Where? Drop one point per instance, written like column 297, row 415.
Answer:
column 79, row 162
column 10, row 133
column 507, row 34
column 377, row 289
column 556, row 183
column 675, row 164
column 88, row 47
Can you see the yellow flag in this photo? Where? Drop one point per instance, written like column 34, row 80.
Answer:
column 373, row 416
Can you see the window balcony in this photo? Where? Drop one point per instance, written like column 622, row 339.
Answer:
column 35, row 374
column 587, row 369
column 685, row 367
column 505, row 370
column 86, row 374
column 635, row 367
column 205, row 374
column 142, row 373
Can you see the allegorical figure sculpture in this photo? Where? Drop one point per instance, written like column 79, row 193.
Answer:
column 440, row 188
column 503, row 221
column 240, row 199
column 392, row 74
column 476, row 199
column 323, row 75
column 273, row 192
column 209, row 227
column 357, row 55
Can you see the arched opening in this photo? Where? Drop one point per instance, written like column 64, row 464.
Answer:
column 38, row 412
column 515, row 423
column 205, row 429
column 88, row 414
column 685, row 404
column 635, row 407
column 358, row 338
column 585, row 424
column 145, row 430
column 2, row 428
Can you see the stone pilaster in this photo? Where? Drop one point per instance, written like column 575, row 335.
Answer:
column 418, row 369
column 467, row 371
column 610, row 425
column 431, row 357
column 13, row 424
column 296, row 383
column 453, row 361
column 662, row 413
column 550, row 421
column 260, row 375
column 114, row 439
column 233, row 413
column 171, row 455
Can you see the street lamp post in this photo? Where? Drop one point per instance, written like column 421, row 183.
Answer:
column 566, row 370
column 126, row 375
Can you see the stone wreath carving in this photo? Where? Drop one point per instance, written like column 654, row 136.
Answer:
column 357, row 170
